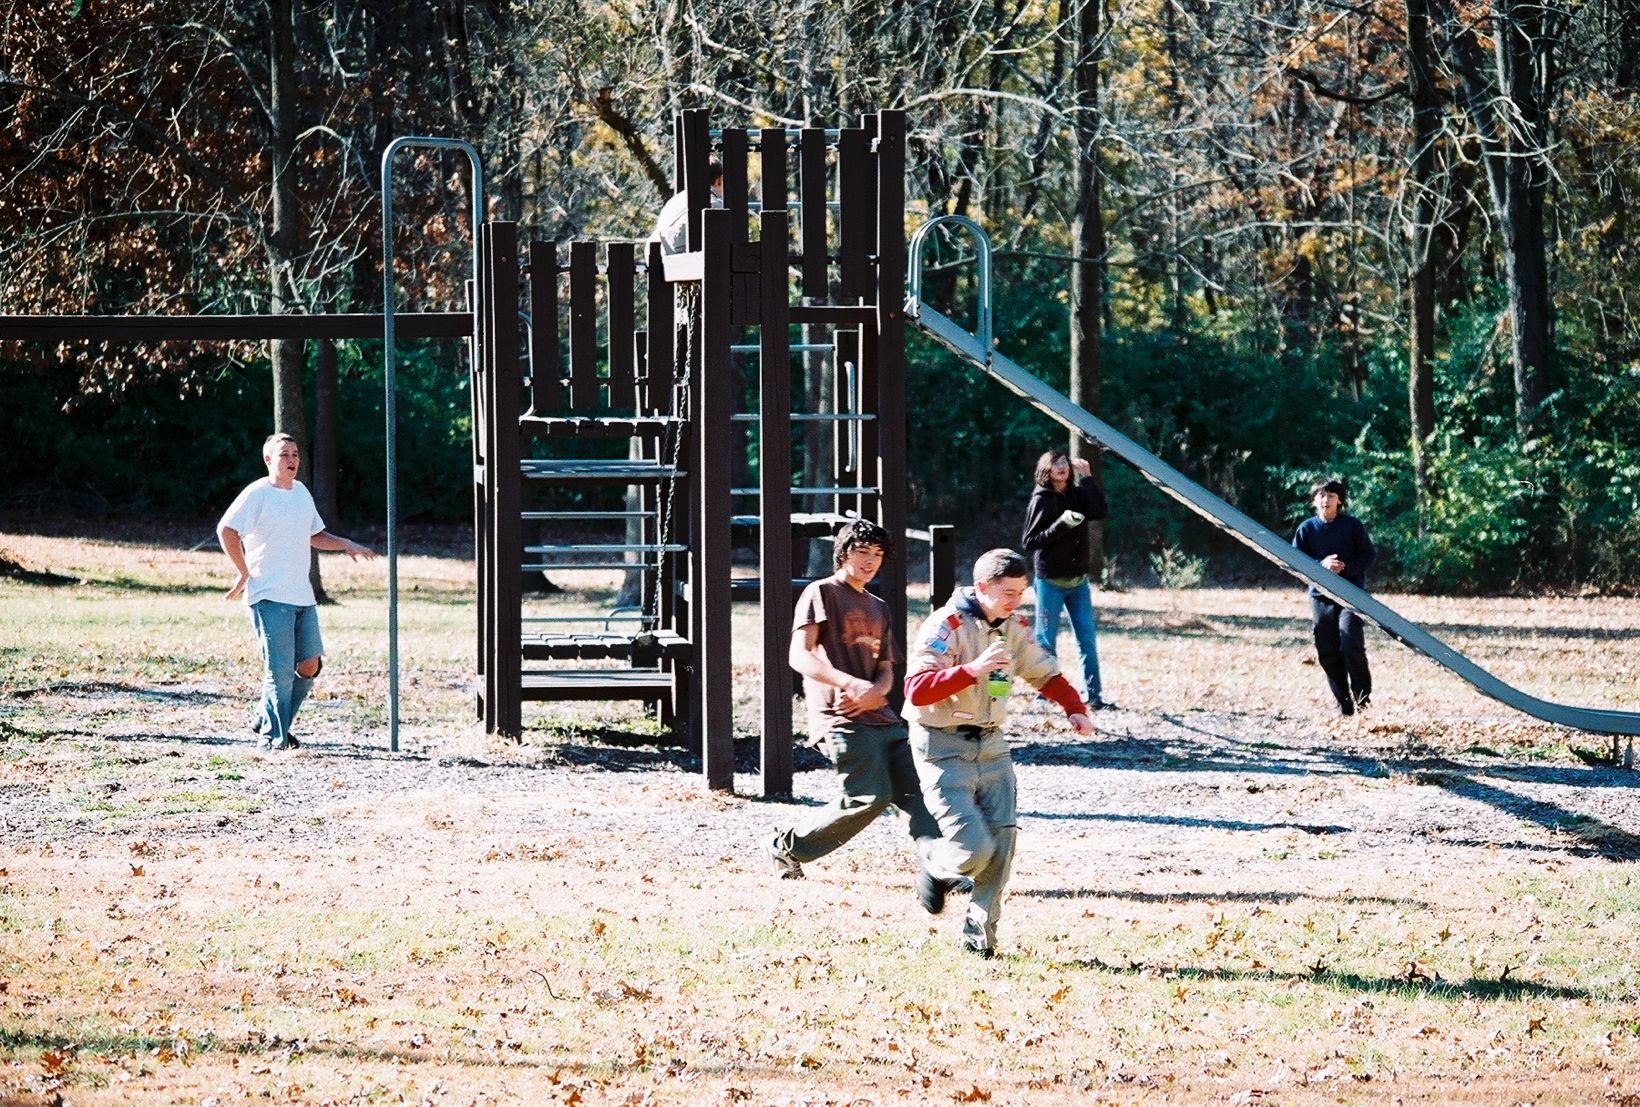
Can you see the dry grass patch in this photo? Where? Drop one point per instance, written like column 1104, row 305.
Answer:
column 1225, row 896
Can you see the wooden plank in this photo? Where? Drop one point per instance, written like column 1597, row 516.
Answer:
column 622, row 322
column 546, row 384
column 811, row 199
column 771, row 143
column 732, row 147
column 856, row 219
column 596, row 684
column 775, row 553
column 709, row 577
column 697, row 152
column 583, row 326
column 230, row 328
column 661, row 338
column 507, row 546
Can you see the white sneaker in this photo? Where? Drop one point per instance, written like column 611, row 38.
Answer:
column 785, row 866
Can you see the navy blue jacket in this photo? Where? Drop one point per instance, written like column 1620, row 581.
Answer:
column 1344, row 536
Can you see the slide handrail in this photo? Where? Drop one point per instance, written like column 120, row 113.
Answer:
column 1255, row 535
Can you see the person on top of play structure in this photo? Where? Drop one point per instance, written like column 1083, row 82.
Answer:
column 843, row 644
column 956, row 699
column 266, row 533
column 1339, row 541
column 1056, row 535
column 672, row 224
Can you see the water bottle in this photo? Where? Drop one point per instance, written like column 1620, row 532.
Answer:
column 998, row 683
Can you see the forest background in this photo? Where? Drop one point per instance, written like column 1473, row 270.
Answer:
column 1265, row 238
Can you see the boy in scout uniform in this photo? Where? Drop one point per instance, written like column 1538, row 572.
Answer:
column 956, row 700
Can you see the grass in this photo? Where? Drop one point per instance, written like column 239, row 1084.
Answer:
column 182, row 921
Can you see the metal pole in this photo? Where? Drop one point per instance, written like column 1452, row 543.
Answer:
column 390, row 366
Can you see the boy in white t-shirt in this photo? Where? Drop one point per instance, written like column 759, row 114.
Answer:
column 266, row 533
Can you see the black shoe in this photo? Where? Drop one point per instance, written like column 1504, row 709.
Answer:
column 1346, row 709
column 1097, row 704
column 289, row 742
column 984, row 953
column 931, row 891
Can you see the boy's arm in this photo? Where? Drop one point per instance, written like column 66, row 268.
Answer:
column 808, row 659
column 235, row 549
column 324, row 540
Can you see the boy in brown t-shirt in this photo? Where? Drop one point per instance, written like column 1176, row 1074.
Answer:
column 843, row 644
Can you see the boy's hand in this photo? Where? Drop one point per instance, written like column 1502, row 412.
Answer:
column 238, row 586
column 1080, row 464
column 858, row 697
column 357, row 550
column 1082, row 724
column 996, row 656
column 1333, row 562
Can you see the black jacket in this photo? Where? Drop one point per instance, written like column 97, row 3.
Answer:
column 1059, row 551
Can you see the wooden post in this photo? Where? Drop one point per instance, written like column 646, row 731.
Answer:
column 709, row 578
column 942, row 563
column 775, row 503
column 890, row 354
column 504, row 678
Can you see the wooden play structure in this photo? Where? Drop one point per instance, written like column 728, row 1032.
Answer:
column 805, row 257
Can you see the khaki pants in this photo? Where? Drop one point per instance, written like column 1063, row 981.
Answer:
column 877, row 770
column 967, row 779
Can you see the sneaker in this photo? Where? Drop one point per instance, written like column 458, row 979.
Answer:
column 931, row 891
column 984, row 953
column 785, row 866
column 1097, row 704
column 270, row 743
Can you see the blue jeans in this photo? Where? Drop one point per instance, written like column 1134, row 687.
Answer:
column 1078, row 605
column 286, row 634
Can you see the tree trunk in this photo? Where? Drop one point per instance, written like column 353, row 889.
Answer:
column 1426, row 258
column 284, row 236
column 1088, row 234
column 1508, row 106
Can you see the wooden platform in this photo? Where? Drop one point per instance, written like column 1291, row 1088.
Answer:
column 598, row 684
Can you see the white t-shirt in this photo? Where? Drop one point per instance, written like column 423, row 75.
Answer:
column 274, row 526
column 672, row 224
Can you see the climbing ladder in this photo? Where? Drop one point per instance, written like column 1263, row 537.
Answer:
column 658, row 408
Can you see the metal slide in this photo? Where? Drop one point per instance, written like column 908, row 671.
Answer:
column 1237, row 524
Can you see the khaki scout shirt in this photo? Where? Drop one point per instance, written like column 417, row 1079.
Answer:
column 955, row 635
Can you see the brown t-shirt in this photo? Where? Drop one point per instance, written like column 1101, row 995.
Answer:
column 857, row 634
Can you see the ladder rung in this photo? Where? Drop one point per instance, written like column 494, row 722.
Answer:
column 624, row 547
column 795, row 347
column 811, row 417
column 586, row 514
column 808, row 491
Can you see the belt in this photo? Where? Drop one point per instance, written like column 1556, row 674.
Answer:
column 973, row 733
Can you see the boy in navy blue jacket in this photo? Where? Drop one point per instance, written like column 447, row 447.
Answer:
column 1340, row 543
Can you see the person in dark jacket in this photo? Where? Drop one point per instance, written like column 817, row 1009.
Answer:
column 1339, row 541
column 1056, row 535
